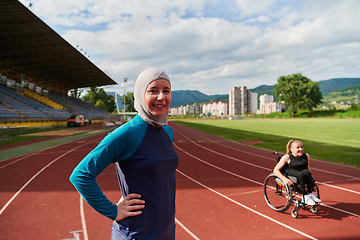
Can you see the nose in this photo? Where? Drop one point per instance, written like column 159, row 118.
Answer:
column 160, row 96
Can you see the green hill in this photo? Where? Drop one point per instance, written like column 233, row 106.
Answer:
column 263, row 89
column 350, row 88
column 349, row 94
column 185, row 97
column 333, row 84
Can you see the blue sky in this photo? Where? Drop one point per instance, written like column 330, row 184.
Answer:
column 214, row 45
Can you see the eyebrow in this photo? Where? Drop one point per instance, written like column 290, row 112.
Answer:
column 157, row 87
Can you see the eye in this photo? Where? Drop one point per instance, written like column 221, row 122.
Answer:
column 152, row 90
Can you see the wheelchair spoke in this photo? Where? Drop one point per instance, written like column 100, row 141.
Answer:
column 277, row 194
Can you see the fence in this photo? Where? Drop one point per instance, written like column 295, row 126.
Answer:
column 5, row 129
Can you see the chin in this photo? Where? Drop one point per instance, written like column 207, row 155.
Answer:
column 158, row 116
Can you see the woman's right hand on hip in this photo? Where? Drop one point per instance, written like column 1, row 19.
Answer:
column 128, row 206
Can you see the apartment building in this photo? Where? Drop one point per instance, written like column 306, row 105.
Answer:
column 267, row 105
column 188, row 109
column 242, row 101
column 216, row 109
column 265, row 98
column 264, row 106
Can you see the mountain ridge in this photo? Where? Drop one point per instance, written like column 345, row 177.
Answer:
column 189, row 97
column 326, row 86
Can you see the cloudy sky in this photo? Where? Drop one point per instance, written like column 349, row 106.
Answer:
column 211, row 45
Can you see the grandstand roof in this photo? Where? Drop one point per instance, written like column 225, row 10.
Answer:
column 29, row 47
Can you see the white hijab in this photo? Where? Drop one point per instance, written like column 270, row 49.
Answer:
column 144, row 79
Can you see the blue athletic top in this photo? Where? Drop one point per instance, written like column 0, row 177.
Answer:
column 146, row 162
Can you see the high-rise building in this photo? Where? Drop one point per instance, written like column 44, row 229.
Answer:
column 266, row 99
column 241, row 101
column 267, row 105
column 252, row 102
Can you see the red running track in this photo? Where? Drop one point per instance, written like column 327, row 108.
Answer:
column 219, row 194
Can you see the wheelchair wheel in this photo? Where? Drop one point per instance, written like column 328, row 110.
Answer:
column 294, row 213
column 314, row 209
column 277, row 194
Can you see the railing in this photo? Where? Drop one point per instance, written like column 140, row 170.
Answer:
column 2, row 130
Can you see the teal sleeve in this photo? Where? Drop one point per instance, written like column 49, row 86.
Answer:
column 169, row 132
column 116, row 146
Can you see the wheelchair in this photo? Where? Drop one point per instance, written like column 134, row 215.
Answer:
column 280, row 196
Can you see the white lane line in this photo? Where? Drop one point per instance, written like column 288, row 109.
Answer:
column 235, row 159
column 76, row 235
column 338, row 174
column 254, row 165
column 28, row 182
column 350, row 213
column 340, row 188
column 339, row 181
column 246, row 207
column 186, row 229
column 245, row 178
column 321, row 170
column 221, row 169
column 22, row 157
column 83, row 222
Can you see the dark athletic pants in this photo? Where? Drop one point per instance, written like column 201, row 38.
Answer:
column 304, row 177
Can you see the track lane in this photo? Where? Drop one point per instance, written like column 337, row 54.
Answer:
column 196, row 205
column 193, row 134
column 48, row 206
column 258, row 160
column 45, row 202
column 203, row 207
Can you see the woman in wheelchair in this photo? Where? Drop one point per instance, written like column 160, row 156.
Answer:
column 296, row 163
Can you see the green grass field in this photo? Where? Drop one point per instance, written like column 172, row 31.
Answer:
column 336, row 140
column 19, row 135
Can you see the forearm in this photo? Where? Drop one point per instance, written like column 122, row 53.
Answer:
column 89, row 189
column 280, row 175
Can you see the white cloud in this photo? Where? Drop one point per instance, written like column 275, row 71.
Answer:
column 261, row 41
column 263, row 18
column 253, row 7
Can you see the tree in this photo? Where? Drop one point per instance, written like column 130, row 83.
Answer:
column 91, row 97
column 355, row 106
column 298, row 92
column 75, row 92
column 101, row 104
column 96, row 94
column 129, row 101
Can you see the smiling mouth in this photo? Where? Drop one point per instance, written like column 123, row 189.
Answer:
column 159, row 105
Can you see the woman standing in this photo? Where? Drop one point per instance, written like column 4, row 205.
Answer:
column 145, row 160
column 296, row 163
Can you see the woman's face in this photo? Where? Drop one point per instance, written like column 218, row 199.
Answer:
column 297, row 149
column 158, row 97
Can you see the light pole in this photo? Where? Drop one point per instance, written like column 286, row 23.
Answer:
column 116, row 102
column 125, row 80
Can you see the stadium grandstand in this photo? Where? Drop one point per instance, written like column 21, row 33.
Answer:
column 37, row 70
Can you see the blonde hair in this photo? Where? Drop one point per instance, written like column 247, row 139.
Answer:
column 288, row 145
